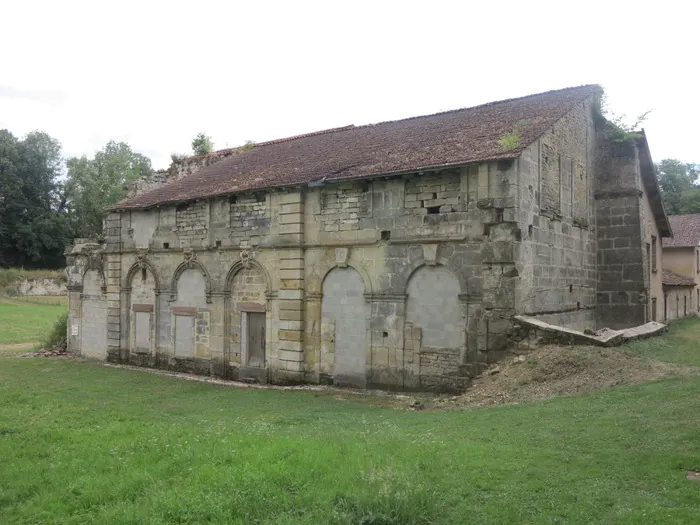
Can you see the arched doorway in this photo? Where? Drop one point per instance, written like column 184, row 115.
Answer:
column 344, row 314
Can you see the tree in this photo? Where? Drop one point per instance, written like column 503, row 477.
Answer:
column 678, row 185
column 94, row 184
column 202, row 144
column 34, row 225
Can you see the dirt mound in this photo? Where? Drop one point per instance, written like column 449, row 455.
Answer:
column 560, row 371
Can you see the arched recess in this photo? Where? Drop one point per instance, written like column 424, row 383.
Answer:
column 344, row 325
column 190, row 315
column 248, row 323
column 190, row 265
column 142, row 289
column 452, row 265
column 93, row 316
column 433, row 306
column 326, row 269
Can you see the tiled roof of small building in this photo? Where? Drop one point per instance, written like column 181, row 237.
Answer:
column 686, row 230
column 452, row 138
column 673, row 279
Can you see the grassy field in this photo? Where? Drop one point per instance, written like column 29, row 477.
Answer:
column 23, row 321
column 81, row 443
column 681, row 345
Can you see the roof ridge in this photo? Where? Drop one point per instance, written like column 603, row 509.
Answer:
column 304, row 135
column 486, row 104
column 408, row 119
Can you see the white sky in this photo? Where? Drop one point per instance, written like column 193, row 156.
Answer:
column 155, row 73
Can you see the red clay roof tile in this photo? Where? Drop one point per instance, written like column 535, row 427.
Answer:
column 686, row 230
column 673, row 279
column 451, row 138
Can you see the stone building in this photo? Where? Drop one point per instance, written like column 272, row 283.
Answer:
column 678, row 295
column 391, row 255
column 681, row 264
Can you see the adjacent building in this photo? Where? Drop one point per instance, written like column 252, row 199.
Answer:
column 391, row 255
column 681, row 263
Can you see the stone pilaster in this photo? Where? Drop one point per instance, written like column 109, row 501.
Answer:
column 290, row 325
column 113, row 274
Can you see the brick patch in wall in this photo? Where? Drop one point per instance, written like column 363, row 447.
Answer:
column 191, row 220
column 433, row 193
column 343, row 205
column 250, row 215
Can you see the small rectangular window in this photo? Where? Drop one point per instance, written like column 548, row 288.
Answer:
column 653, row 309
column 649, row 256
column 653, row 254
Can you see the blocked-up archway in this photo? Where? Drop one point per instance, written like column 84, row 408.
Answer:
column 190, row 315
column 142, row 301
column 433, row 306
column 344, row 315
column 93, row 318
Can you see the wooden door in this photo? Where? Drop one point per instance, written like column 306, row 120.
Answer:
column 256, row 339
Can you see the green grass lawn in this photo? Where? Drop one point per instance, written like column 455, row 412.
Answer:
column 680, row 345
column 22, row 321
column 81, row 443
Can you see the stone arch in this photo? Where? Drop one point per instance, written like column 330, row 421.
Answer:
column 137, row 267
column 93, row 317
column 367, row 282
column 241, row 265
column 411, row 269
column 191, row 264
column 248, row 322
column 345, row 325
column 437, row 318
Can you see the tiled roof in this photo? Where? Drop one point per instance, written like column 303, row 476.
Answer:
column 451, row 138
column 673, row 279
column 686, row 230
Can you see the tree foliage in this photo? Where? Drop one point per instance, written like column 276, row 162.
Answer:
column 679, row 188
column 94, row 184
column 202, row 144
column 34, row 225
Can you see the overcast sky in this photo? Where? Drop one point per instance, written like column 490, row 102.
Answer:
column 154, row 74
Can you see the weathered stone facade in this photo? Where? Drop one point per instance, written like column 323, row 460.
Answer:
column 406, row 281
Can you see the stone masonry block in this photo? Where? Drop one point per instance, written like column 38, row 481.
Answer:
column 290, row 198
column 290, row 335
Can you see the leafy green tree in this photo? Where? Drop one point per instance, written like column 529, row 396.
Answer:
column 678, row 185
column 202, row 144
column 34, row 225
column 94, row 184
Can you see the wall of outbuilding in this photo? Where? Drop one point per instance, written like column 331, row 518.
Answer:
column 408, row 281
column 435, row 253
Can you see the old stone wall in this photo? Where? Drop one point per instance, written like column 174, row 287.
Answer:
column 93, row 319
column 250, row 218
column 623, row 266
column 344, row 319
column 557, row 268
column 407, row 282
column 185, row 279
column 343, row 205
column 178, row 169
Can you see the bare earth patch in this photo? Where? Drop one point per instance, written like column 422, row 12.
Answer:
column 552, row 371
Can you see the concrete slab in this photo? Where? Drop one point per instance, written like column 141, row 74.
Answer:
column 602, row 337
